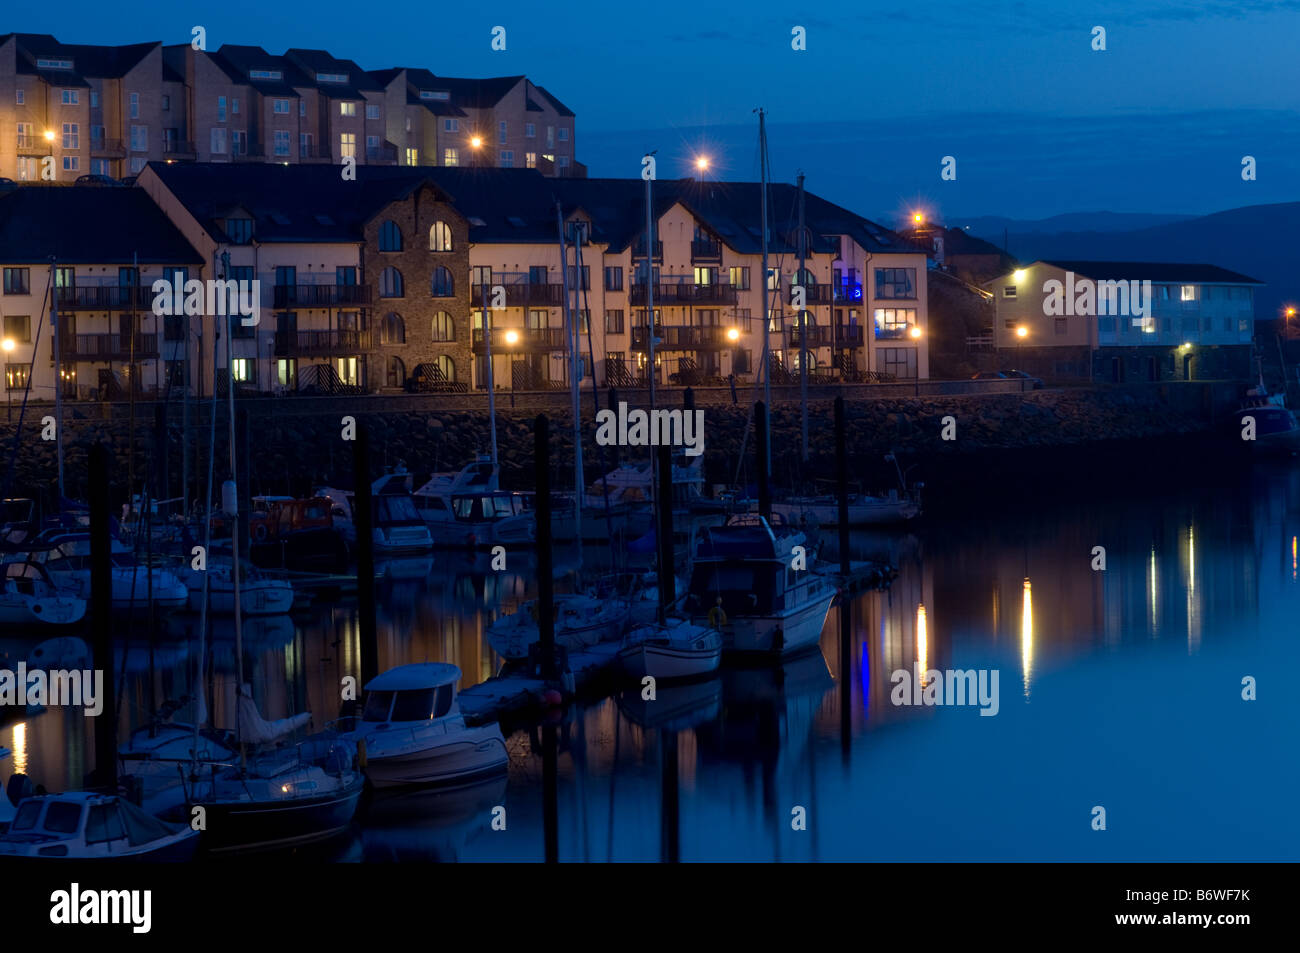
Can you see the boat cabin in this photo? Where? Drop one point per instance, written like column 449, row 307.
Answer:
column 746, row 564
column 419, row 692
column 80, row 824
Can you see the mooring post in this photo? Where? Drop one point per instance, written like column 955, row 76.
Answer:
column 101, row 606
column 363, row 516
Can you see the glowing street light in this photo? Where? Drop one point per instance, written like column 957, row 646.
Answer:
column 476, row 142
column 733, row 334
column 918, row 218
column 49, row 135
column 512, row 337
column 702, row 163
column 8, row 344
column 1018, row 275
column 915, row 332
column 1022, row 331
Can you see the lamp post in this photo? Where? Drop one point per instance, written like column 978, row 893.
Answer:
column 1021, row 333
column 8, row 345
column 476, row 144
column 914, row 332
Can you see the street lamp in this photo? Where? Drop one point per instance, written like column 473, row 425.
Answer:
column 1018, row 275
column 8, row 345
column 49, row 135
column 702, row 165
column 1021, row 333
column 512, row 337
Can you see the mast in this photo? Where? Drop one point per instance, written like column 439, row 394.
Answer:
column 767, row 314
column 130, row 426
column 234, row 535
column 200, row 714
column 650, row 285
column 58, row 377
column 491, row 384
column 802, row 318
column 571, row 341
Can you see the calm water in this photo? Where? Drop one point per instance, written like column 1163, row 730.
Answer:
column 1120, row 689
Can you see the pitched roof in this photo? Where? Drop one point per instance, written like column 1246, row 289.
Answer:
column 96, row 62
column 295, row 203
column 478, row 93
column 1154, row 271
column 238, row 62
column 39, row 221
column 313, row 62
column 559, row 107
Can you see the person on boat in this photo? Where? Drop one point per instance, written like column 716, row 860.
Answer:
column 717, row 617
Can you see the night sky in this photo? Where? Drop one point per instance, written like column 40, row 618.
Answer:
column 1039, row 123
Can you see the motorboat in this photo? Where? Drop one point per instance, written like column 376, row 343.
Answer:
column 468, row 508
column 581, row 620
column 65, row 556
column 1273, row 425
column 677, row 650
column 743, row 578
column 398, row 528
column 287, row 533
column 259, row 593
column 30, row 597
column 411, row 730
column 83, row 825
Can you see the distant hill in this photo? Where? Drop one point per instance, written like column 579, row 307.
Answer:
column 993, row 225
column 1258, row 240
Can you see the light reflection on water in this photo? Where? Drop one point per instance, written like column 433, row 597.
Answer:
column 1110, row 710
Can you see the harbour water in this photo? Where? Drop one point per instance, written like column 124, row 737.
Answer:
column 1118, row 688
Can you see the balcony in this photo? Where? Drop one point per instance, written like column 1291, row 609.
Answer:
column 685, row 293
column 711, row 337
column 638, row 249
column 107, row 347
column 105, row 298
column 704, row 250
column 321, row 343
column 33, row 145
column 107, row 148
column 385, row 154
column 313, row 153
column 320, row 296
column 177, row 149
column 522, row 294
column 822, row 336
column 251, row 153
column 818, row 336
column 525, row 340
column 815, row 294
column 848, row 335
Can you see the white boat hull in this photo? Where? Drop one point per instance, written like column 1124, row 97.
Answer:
column 19, row 609
column 458, row 756
column 785, row 633
column 254, row 599
column 668, row 662
column 860, row 514
column 508, row 531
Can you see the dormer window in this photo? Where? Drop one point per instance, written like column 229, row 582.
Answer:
column 265, row 74
column 239, row 230
column 439, row 94
column 331, row 77
column 54, row 64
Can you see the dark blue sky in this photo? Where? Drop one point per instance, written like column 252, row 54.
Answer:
column 1038, row 121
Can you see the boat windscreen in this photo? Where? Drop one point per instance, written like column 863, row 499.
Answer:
column 377, row 707
column 413, row 705
column 396, row 509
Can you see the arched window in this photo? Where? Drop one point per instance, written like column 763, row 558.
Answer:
column 396, row 372
column 390, row 237
column 444, row 286
column 443, row 328
column 440, row 237
column 390, row 283
column 446, row 366
column 393, row 329
column 805, row 279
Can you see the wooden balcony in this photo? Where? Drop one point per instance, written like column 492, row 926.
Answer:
column 321, row 343
column 520, row 340
column 107, row 347
column 846, row 336
column 685, row 293
column 684, row 338
column 522, row 294
column 320, row 296
column 105, row 298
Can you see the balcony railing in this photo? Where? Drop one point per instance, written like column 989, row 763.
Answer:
column 105, row 347
column 27, row 145
column 319, row 296
column 522, row 294
column 384, row 153
column 818, row 336
column 105, row 298
column 638, row 249
column 684, row 338
column 107, row 147
column 314, row 152
column 848, row 335
column 179, row 149
column 507, row 340
column 320, row 343
column 251, row 153
column 814, row 293
column 685, row 293
column 703, row 249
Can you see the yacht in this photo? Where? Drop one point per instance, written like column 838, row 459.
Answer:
column 468, row 508
column 742, row 578
column 411, row 730
column 259, row 593
column 29, row 597
column 581, row 620
column 675, row 651
column 65, row 555
column 398, row 528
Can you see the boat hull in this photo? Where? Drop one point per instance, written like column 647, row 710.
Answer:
column 860, row 514
column 251, row 825
column 464, row 756
column 782, row 634
column 666, row 663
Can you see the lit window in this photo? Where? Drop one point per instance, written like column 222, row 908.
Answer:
column 1189, row 292
column 530, row 160
column 450, row 157
column 347, row 109
column 412, row 156
column 440, row 237
column 347, row 145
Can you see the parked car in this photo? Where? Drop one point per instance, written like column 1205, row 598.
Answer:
column 106, row 181
column 989, row 376
column 1034, row 383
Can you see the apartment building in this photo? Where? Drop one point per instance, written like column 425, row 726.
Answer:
column 110, row 110
column 364, row 284
column 108, row 335
column 92, row 110
column 1125, row 321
